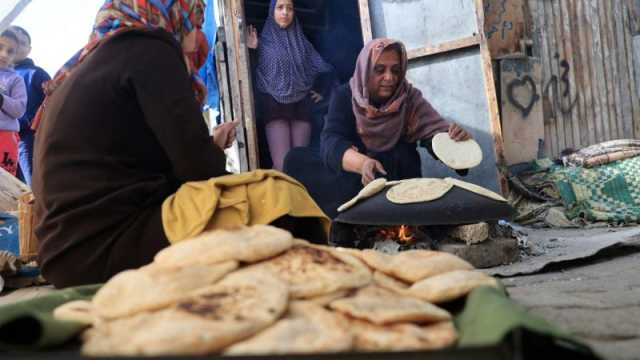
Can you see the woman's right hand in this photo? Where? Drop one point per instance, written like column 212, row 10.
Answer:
column 369, row 169
column 252, row 37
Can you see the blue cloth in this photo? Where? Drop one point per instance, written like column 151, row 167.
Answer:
column 25, row 155
column 208, row 72
column 9, row 239
column 34, row 77
column 287, row 62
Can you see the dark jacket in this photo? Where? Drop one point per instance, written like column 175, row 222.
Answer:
column 119, row 136
column 34, row 77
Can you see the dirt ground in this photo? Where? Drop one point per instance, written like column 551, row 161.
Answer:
column 596, row 299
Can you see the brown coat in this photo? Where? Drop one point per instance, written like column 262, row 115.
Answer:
column 121, row 134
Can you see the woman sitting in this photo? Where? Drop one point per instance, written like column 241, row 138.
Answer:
column 124, row 163
column 372, row 129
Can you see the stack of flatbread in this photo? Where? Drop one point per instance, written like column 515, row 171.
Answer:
column 258, row 291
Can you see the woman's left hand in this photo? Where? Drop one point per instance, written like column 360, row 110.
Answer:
column 316, row 97
column 225, row 134
column 457, row 133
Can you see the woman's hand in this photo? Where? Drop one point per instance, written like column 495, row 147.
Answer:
column 225, row 134
column 252, row 37
column 316, row 97
column 457, row 133
column 369, row 169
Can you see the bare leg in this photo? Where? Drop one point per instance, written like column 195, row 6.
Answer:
column 300, row 133
column 279, row 139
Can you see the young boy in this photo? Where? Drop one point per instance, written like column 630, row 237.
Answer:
column 34, row 77
column 13, row 102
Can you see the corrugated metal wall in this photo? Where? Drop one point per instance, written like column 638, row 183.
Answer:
column 589, row 90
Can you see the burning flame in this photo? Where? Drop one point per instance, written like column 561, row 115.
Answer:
column 404, row 234
column 401, row 233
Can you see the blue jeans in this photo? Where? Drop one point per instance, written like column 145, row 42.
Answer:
column 25, row 155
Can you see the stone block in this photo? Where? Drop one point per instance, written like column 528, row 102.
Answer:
column 490, row 253
column 470, row 234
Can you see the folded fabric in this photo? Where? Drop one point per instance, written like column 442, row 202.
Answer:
column 253, row 198
column 489, row 317
column 30, row 325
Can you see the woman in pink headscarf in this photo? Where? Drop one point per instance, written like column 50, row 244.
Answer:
column 372, row 128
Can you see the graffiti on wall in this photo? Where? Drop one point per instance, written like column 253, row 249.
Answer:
column 556, row 89
column 498, row 23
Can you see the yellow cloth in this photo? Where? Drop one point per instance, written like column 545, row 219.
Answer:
column 257, row 197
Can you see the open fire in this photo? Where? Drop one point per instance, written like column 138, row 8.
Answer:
column 391, row 238
column 402, row 233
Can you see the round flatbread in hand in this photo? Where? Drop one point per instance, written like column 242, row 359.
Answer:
column 414, row 265
column 475, row 189
column 312, row 270
column 381, row 306
column 153, row 287
column 450, row 286
column 248, row 244
column 307, row 328
column 418, row 190
column 457, row 155
column 241, row 305
column 371, row 189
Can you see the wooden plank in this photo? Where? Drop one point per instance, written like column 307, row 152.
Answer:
column 522, row 115
column 223, row 82
column 585, row 60
column 567, row 81
column 444, row 47
column 580, row 74
column 623, row 80
column 492, row 101
column 230, row 30
column 539, row 51
column 365, row 20
column 554, row 87
column 545, row 22
column 591, row 60
column 615, row 74
column 504, row 27
column 600, row 71
column 634, row 91
column 245, row 83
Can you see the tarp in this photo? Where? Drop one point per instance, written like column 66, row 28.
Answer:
column 208, row 70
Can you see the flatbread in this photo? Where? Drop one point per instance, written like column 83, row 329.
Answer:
column 390, row 283
column 381, row 306
column 78, row 311
column 154, row 287
column 402, row 337
column 324, row 300
column 450, row 286
column 418, row 190
column 414, row 265
column 241, row 305
column 307, row 328
column 248, row 244
column 312, row 270
column 475, row 189
column 457, row 155
column 371, row 189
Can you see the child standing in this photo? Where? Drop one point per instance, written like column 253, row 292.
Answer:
column 13, row 102
column 34, row 77
column 288, row 66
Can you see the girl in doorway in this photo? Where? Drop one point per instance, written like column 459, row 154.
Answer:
column 288, row 66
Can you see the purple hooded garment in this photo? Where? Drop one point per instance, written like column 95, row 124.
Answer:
column 287, row 62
